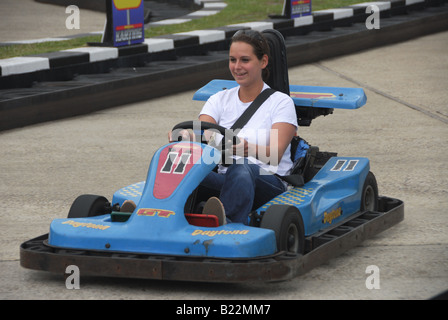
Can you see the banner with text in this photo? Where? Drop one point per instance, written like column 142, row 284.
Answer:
column 298, row 8
column 128, row 22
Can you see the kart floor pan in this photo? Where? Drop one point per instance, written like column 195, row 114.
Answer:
column 36, row 254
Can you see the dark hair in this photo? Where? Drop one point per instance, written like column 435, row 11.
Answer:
column 258, row 43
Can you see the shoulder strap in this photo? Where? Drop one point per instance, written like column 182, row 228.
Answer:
column 248, row 113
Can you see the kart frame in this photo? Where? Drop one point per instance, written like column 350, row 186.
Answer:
column 38, row 255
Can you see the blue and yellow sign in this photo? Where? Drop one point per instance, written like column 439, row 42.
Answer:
column 127, row 22
column 127, row 4
column 300, row 8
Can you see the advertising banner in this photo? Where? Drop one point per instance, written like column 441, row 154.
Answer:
column 127, row 22
column 297, row 8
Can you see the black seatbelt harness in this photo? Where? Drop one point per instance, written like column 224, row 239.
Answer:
column 249, row 112
column 294, row 180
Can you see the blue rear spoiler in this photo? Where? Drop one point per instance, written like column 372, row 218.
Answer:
column 303, row 96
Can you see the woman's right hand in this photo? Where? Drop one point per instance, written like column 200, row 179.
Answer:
column 185, row 135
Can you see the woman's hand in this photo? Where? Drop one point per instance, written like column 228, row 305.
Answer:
column 280, row 138
column 242, row 149
column 185, row 135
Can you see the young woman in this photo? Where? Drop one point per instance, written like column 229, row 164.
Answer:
column 265, row 139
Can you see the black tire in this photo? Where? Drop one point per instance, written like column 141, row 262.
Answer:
column 369, row 195
column 88, row 205
column 286, row 221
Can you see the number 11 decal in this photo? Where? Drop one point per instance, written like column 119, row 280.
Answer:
column 179, row 165
column 340, row 164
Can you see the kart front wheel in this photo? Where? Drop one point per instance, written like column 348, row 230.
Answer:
column 88, row 205
column 286, row 221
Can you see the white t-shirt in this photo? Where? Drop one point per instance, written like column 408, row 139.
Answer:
column 226, row 107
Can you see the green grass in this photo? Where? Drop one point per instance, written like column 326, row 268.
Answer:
column 51, row 46
column 237, row 11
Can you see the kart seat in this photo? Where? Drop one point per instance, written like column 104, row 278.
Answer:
column 279, row 79
column 278, row 64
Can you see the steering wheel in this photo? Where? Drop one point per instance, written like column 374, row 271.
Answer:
column 229, row 137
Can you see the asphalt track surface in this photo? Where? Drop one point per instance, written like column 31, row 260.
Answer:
column 402, row 130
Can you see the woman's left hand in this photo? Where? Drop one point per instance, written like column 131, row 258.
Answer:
column 242, row 149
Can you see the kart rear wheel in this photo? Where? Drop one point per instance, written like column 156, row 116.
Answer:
column 88, row 205
column 369, row 196
column 286, row 221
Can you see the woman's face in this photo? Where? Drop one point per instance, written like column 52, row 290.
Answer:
column 244, row 65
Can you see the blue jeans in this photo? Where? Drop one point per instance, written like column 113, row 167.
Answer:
column 243, row 188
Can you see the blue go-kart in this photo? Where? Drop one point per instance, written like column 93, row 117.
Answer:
column 331, row 206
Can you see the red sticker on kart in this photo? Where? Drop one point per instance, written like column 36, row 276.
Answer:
column 175, row 161
column 312, row 95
